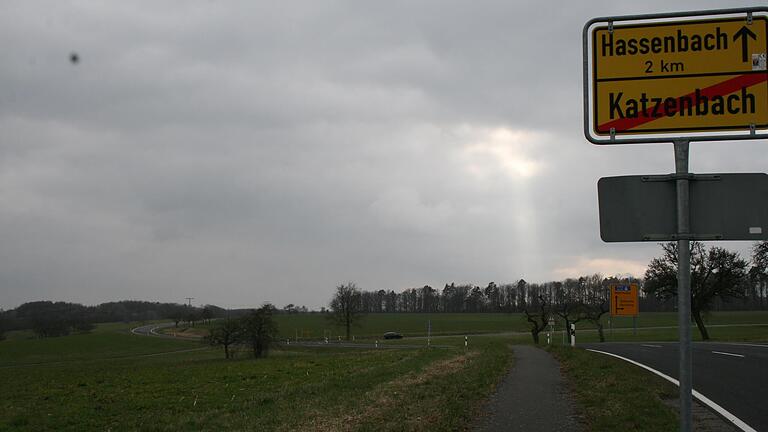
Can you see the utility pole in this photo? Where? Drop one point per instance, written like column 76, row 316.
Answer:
column 189, row 301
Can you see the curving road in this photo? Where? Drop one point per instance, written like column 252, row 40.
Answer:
column 151, row 330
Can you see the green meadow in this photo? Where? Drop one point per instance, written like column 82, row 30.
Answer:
column 111, row 379
column 316, row 326
column 108, row 341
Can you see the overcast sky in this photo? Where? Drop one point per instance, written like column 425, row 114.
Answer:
column 243, row 152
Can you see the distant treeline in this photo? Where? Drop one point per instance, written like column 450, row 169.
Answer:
column 517, row 296
column 453, row 298
column 746, row 288
column 48, row 318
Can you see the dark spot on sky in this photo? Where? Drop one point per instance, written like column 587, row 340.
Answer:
column 74, row 58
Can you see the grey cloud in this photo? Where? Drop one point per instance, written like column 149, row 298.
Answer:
column 240, row 153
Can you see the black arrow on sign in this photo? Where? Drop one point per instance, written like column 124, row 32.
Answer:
column 743, row 33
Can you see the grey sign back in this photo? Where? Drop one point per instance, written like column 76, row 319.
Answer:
column 723, row 207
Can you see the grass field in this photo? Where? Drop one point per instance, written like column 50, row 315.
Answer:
column 111, row 379
column 107, row 341
column 92, row 386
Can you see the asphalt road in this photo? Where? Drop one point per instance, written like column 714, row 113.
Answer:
column 336, row 344
column 733, row 375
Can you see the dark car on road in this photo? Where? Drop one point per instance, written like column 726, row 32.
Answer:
column 392, row 335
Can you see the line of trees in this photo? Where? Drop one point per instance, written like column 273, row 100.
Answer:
column 572, row 300
column 511, row 297
column 720, row 279
column 747, row 293
column 569, row 301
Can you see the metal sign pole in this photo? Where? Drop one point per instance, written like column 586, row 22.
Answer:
column 684, row 283
column 637, row 208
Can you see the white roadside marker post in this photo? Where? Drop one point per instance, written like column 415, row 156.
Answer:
column 573, row 335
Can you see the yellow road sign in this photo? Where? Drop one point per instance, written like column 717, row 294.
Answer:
column 624, row 300
column 678, row 77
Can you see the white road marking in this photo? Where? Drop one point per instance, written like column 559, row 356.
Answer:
column 172, row 352
column 746, row 344
column 152, row 329
column 703, row 399
column 736, row 325
column 652, row 346
column 728, row 354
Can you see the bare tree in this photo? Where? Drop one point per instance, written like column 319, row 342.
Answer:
column 226, row 333
column 345, row 307
column 715, row 273
column 759, row 272
column 260, row 330
column 571, row 312
column 596, row 301
column 593, row 312
column 538, row 316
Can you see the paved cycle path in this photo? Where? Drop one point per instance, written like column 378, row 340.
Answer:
column 532, row 397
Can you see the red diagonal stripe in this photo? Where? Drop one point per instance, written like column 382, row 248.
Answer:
column 720, row 89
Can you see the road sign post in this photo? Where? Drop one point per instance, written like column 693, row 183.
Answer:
column 684, row 285
column 610, row 326
column 680, row 77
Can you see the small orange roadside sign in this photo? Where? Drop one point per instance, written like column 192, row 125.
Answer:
column 624, row 300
